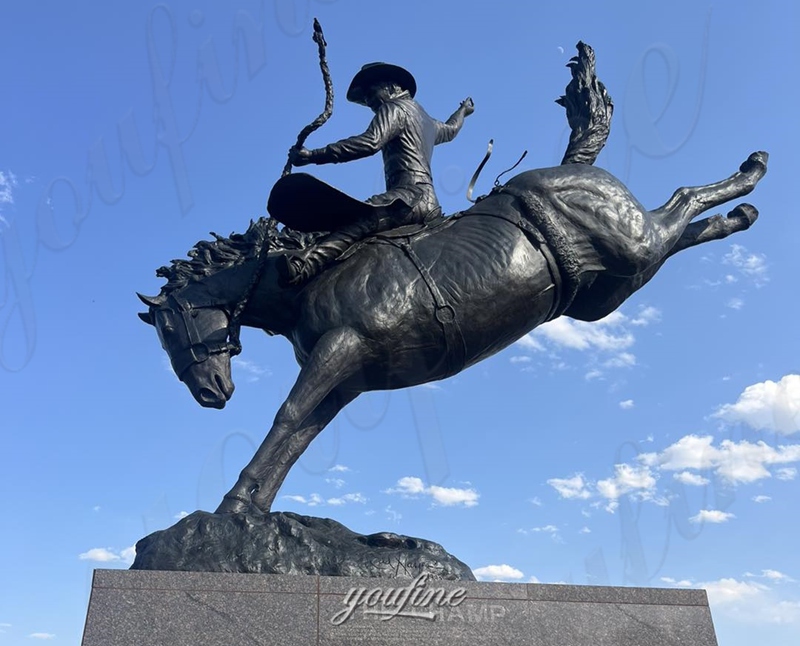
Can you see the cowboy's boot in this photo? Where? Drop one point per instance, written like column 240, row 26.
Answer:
column 298, row 267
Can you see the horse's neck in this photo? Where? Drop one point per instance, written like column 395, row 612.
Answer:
column 271, row 306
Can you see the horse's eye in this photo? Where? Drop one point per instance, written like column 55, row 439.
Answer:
column 166, row 325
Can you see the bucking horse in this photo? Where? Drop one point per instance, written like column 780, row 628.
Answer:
column 411, row 307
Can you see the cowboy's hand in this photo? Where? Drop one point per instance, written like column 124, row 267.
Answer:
column 300, row 156
column 468, row 106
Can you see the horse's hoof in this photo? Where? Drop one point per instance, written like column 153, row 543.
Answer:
column 757, row 162
column 745, row 213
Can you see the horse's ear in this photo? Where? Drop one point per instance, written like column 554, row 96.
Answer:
column 151, row 301
column 147, row 317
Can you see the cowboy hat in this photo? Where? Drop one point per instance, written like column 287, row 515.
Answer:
column 375, row 72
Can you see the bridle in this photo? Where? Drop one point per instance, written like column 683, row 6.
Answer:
column 200, row 350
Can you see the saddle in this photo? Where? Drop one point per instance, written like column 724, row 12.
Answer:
column 307, row 204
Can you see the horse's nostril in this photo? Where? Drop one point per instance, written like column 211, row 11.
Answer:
column 226, row 391
column 208, row 395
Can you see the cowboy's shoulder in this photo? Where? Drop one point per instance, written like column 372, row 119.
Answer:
column 396, row 110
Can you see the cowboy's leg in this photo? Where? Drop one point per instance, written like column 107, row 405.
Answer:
column 392, row 210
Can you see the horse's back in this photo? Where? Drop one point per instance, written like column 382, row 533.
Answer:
column 577, row 187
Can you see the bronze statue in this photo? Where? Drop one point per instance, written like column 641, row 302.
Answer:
column 404, row 133
column 408, row 308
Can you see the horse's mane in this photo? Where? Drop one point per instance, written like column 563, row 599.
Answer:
column 209, row 257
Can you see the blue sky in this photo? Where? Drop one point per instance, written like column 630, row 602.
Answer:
column 657, row 447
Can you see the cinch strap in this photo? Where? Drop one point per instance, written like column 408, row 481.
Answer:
column 455, row 348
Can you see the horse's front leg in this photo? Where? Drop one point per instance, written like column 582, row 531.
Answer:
column 313, row 402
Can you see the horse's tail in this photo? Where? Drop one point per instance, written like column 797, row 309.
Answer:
column 589, row 109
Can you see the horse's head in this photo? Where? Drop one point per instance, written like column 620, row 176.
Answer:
column 196, row 338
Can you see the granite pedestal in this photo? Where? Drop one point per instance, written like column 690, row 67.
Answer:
column 152, row 608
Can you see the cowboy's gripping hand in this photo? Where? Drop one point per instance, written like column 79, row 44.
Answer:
column 301, row 156
column 468, row 106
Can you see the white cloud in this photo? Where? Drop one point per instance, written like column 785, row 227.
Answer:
column 692, row 479
column 627, row 479
column 253, row 371
column 535, row 501
column 550, row 530
column 678, row 584
column 746, row 462
column 430, row 386
column 585, row 530
column 735, row 462
column 788, row 473
column 752, row 265
column 606, row 342
column 735, row 303
column 411, row 487
column 393, row 515
column 41, row 636
column 574, row 487
column 336, row 482
column 100, row 554
column 339, row 468
column 622, row 360
column 767, row 406
column 181, row 515
column 520, row 359
column 349, row 497
column 449, row 496
column 726, row 591
column 530, row 343
column 497, row 573
column 627, row 404
column 746, row 601
column 608, row 334
column 408, row 486
column 108, row 555
column 711, row 516
column 690, row 452
column 547, row 529
column 294, row 498
column 646, row 316
column 314, row 500
column 772, row 575
column 761, row 499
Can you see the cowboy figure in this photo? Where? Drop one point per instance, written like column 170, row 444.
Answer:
column 406, row 135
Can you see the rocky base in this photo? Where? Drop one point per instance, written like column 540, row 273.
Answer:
column 287, row 543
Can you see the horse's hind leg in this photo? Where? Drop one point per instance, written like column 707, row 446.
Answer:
column 715, row 228
column 313, row 402
column 608, row 292
column 687, row 203
column 659, row 231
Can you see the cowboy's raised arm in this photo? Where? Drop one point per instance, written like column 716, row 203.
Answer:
column 449, row 129
column 386, row 123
